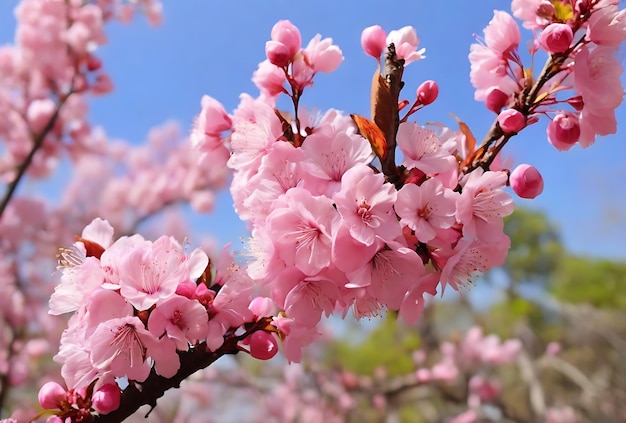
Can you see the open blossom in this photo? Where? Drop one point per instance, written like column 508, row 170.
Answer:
column 152, row 273
column 302, row 230
column 365, row 203
column 607, row 25
column 406, row 41
column 483, row 204
column 469, row 259
column 597, row 79
column 424, row 149
column 426, row 208
column 181, row 319
column 490, row 68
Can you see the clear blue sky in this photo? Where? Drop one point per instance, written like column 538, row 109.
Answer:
column 212, row 47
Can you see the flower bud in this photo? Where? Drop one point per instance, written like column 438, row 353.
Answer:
column 374, row 41
column 563, row 131
column 556, row 38
column 526, row 181
column 496, row 100
column 427, row 92
column 277, row 53
column 51, row 395
column 263, row 345
column 287, row 34
column 511, row 120
column 107, row 398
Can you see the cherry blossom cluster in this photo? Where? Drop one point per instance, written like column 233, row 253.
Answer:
column 329, row 231
column 45, row 76
column 582, row 39
column 136, row 304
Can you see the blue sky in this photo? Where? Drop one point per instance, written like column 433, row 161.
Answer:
column 211, row 47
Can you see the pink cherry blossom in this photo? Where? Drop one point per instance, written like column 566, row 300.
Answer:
column 483, row 204
column 181, row 319
column 322, row 55
column 150, row 274
column 269, row 79
column 534, row 13
column 471, row 258
column 607, row 25
column 122, row 345
column 424, row 149
column 489, row 63
column 426, row 208
column 406, row 41
column 365, row 203
column 302, row 230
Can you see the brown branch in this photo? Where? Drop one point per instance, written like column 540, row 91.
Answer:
column 155, row 386
column 38, row 142
column 392, row 73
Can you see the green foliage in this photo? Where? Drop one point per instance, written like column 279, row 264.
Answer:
column 600, row 283
column 536, row 247
column 388, row 346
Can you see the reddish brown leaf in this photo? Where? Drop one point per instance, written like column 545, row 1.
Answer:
column 371, row 132
column 470, row 140
column 383, row 106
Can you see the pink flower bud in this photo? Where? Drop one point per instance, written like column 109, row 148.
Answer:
column 51, row 395
column 511, row 120
column 553, row 349
column 39, row 113
column 286, row 33
column 526, row 181
column 277, row 53
column 556, row 38
column 374, row 41
column 427, row 92
column 263, row 345
column 563, row 131
column 496, row 100
column 107, row 398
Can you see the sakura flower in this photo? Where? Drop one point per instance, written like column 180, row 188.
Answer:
column 483, row 204
column 181, row 319
column 123, row 346
column 426, row 208
column 405, row 41
column 76, row 284
column 332, row 149
column 470, row 259
column 424, row 149
column 366, row 205
column 302, row 230
column 607, row 25
column 322, row 55
column 490, row 68
column 152, row 273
